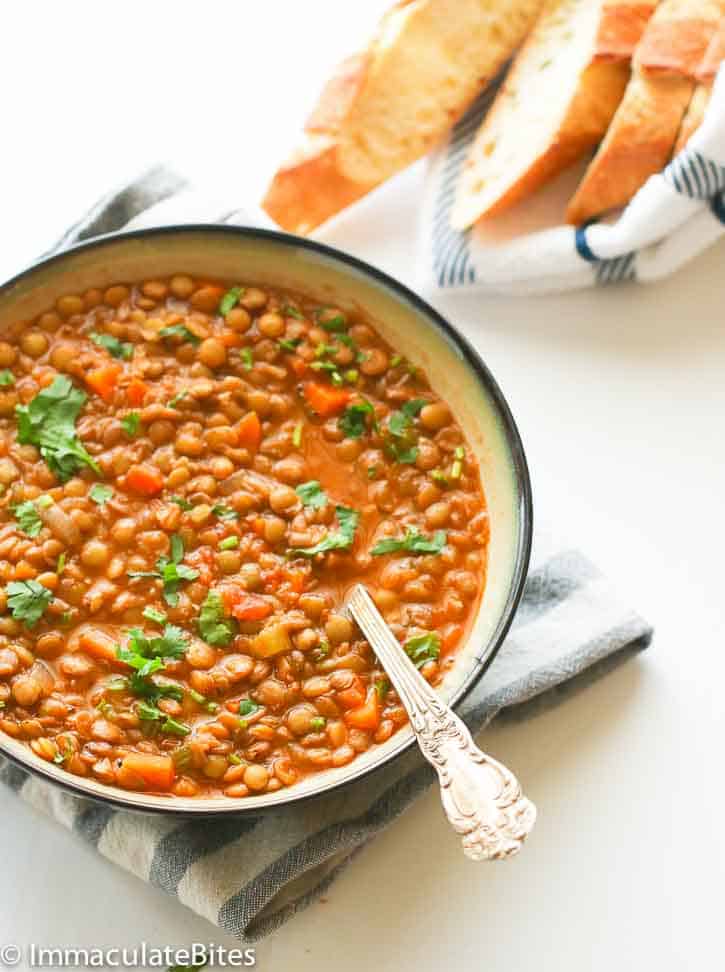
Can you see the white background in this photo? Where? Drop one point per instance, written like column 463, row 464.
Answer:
column 620, row 396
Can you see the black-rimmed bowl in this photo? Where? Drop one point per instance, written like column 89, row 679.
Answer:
column 412, row 327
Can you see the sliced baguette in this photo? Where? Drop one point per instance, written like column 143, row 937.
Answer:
column 675, row 46
column 714, row 56
column 642, row 134
column 387, row 107
column 555, row 105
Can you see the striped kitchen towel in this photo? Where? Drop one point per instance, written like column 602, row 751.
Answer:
column 248, row 875
column 677, row 214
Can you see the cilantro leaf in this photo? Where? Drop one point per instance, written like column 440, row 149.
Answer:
column 28, row 518
column 290, row 311
column 170, row 571
column 48, row 422
column 413, row 541
column 151, row 614
column 353, row 421
column 214, row 627
column 183, row 504
column 330, row 322
column 413, row 406
column 423, row 648
column 246, row 356
column 312, row 494
column 116, row 348
column 179, row 331
column 100, row 494
column 230, row 300
column 224, row 512
column 289, row 344
column 130, row 424
column 6, row 377
column 27, row 601
column 339, row 539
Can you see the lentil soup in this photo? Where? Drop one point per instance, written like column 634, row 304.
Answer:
column 193, row 473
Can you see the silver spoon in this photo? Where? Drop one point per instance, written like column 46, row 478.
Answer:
column 482, row 799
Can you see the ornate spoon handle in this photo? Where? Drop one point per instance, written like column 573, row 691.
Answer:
column 482, row 799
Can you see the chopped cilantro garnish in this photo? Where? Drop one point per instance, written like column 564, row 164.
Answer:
column 179, row 331
column 6, row 377
column 413, row 542
column 182, row 503
column 312, row 494
column 318, row 723
column 340, row 539
column 60, row 566
column 289, row 344
column 116, row 348
column 246, row 708
column 382, row 687
column 151, row 614
column 48, row 422
column 423, row 648
column 100, row 494
column 224, row 512
column 330, row 322
column 351, row 376
column 230, row 300
column 438, row 476
column 28, row 519
column 175, row 399
column 372, row 472
column 171, row 571
column 297, row 435
column 214, row 627
column 354, row 420
column 156, row 720
column 290, row 311
column 246, row 356
column 130, row 424
column 229, row 543
column 203, row 701
column 27, row 601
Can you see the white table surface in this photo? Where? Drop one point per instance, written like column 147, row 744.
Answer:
column 620, row 396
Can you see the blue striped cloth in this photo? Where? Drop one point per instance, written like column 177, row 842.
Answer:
column 677, row 214
column 250, row 874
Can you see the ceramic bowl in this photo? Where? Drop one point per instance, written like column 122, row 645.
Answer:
column 455, row 371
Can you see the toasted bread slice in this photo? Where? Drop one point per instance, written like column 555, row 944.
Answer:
column 388, row 106
column 554, row 106
column 676, row 45
column 642, row 134
column 714, row 56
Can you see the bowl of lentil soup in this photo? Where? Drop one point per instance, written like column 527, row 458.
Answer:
column 207, row 435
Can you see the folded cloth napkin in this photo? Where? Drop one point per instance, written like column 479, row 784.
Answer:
column 676, row 214
column 250, row 874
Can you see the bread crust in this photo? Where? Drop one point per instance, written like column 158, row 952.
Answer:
column 676, row 48
column 386, row 107
column 621, row 29
column 638, row 144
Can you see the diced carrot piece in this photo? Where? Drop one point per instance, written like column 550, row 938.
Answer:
column 146, row 480
column 325, row 399
column 245, row 607
column 353, row 697
column 100, row 645
column 249, row 431
column 145, row 771
column 103, row 380
column 136, row 392
column 366, row 716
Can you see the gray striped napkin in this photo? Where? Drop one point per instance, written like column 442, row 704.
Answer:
column 249, row 875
